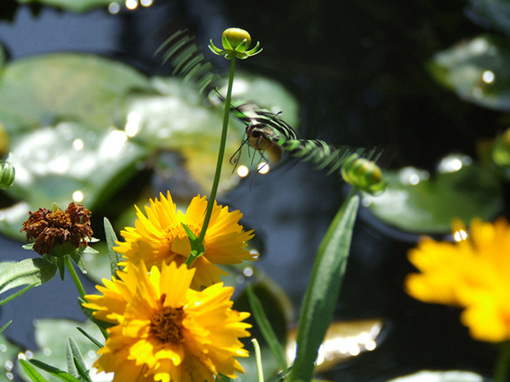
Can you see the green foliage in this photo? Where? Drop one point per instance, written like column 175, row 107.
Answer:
column 414, row 201
column 111, row 239
column 71, row 5
column 31, row 372
column 56, row 372
column 31, row 272
column 323, row 289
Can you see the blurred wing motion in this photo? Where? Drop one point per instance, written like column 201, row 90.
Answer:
column 185, row 55
column 268, row 133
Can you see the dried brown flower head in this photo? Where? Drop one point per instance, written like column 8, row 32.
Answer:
column 50, row 228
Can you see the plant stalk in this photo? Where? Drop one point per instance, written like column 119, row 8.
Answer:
column 503, row 362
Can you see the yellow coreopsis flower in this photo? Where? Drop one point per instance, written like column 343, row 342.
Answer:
column 165, row 331
column 473, row 273
column 160, row 237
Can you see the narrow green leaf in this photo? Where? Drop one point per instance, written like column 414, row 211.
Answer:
column 111, row 239
column 92, row 339
column 282, row 375
column 72, row 353
column 17, row 294
column 77, row 257
column 266, row 328
column 61, row 265
column 56, row 372
column 5, row 326
column 84, row 373
column 31, row 372
column 26, row 272
column 323, row 290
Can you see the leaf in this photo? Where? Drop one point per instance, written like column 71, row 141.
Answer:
column 282, row 375
column 32, row 373
column 92, row 339
column 416, row 202
column 74, row 358
column 477, row 71
column 111, row 239
column 5, row 326
column 84, row 373
column 61, row 265
column 71, row 5
column 197, row 246
column 17, row 294
column 32, row 272
column 323, row 289
column 266, row 328
column 60, row 374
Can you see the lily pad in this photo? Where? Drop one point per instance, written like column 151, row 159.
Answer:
column 8, row 353
column 416, row 202
column 53, row 347
column 441, row 376
column 477, row 70
column 496, row 12
column 40, row 90
column 71, row 5
column 64, row 163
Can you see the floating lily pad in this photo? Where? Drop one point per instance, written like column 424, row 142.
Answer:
column 496, row 12
column 441, row 376
column 8, row 353
column 71, row 5
column 39, row 90
column 477, row 70
column 53, row 347
column 414, row 201
column 64, row 163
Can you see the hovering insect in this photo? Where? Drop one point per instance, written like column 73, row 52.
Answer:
column 270, row 135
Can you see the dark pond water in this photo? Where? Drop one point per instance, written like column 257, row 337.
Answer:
column 358, row 69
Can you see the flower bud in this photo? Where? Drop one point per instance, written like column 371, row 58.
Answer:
column 363, row 174
column 7, row 174
column 235, row 37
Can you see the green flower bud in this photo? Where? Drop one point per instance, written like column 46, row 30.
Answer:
column 235, row 37
column 7, row 175
column 363, row 174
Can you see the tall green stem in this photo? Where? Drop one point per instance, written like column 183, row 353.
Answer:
column 219, row 163
column 75, row 277
column 503, row 362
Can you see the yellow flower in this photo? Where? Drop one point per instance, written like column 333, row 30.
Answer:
column 160, row 237
column 473, row 273
column 165, row 331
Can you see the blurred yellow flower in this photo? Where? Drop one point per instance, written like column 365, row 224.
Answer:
column 473, row 273
column 160, row 237
column 165, row 331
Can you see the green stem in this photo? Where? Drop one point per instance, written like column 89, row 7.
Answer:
column 75, row 277
column 503, row 362
column 221, row 154
column 258, row 359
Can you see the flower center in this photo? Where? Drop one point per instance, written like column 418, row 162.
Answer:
column 59, row 219
column 166, row 324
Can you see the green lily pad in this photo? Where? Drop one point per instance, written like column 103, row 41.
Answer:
column 71, row 5
column 39, row 90
column 441, row 376
column 8, row 353
column 496, row 12
column 53, row 347
column 64, row 163
column 415, row 202
column 477, row 70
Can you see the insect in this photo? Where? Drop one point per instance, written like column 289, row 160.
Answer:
column 270, row 135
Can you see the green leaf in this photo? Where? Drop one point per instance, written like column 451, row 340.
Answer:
column 477, row 70
column 84, row 373
column 323, row 289
column 282, row 375
column 60, row 374
column 266, row 328
column 17, row 294
column 111, row 239
column 74, row 358
column 33, row 272
column 77, row 257
column 92, row 339
column 71, row 5
column 5, row 326
column 32, row 373
column 61, row 265
column 415, row 201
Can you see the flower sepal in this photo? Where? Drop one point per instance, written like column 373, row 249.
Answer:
column 197, row 246
column 235, row 41
column 363, row 174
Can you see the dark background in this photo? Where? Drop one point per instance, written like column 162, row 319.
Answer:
column 359, row 70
